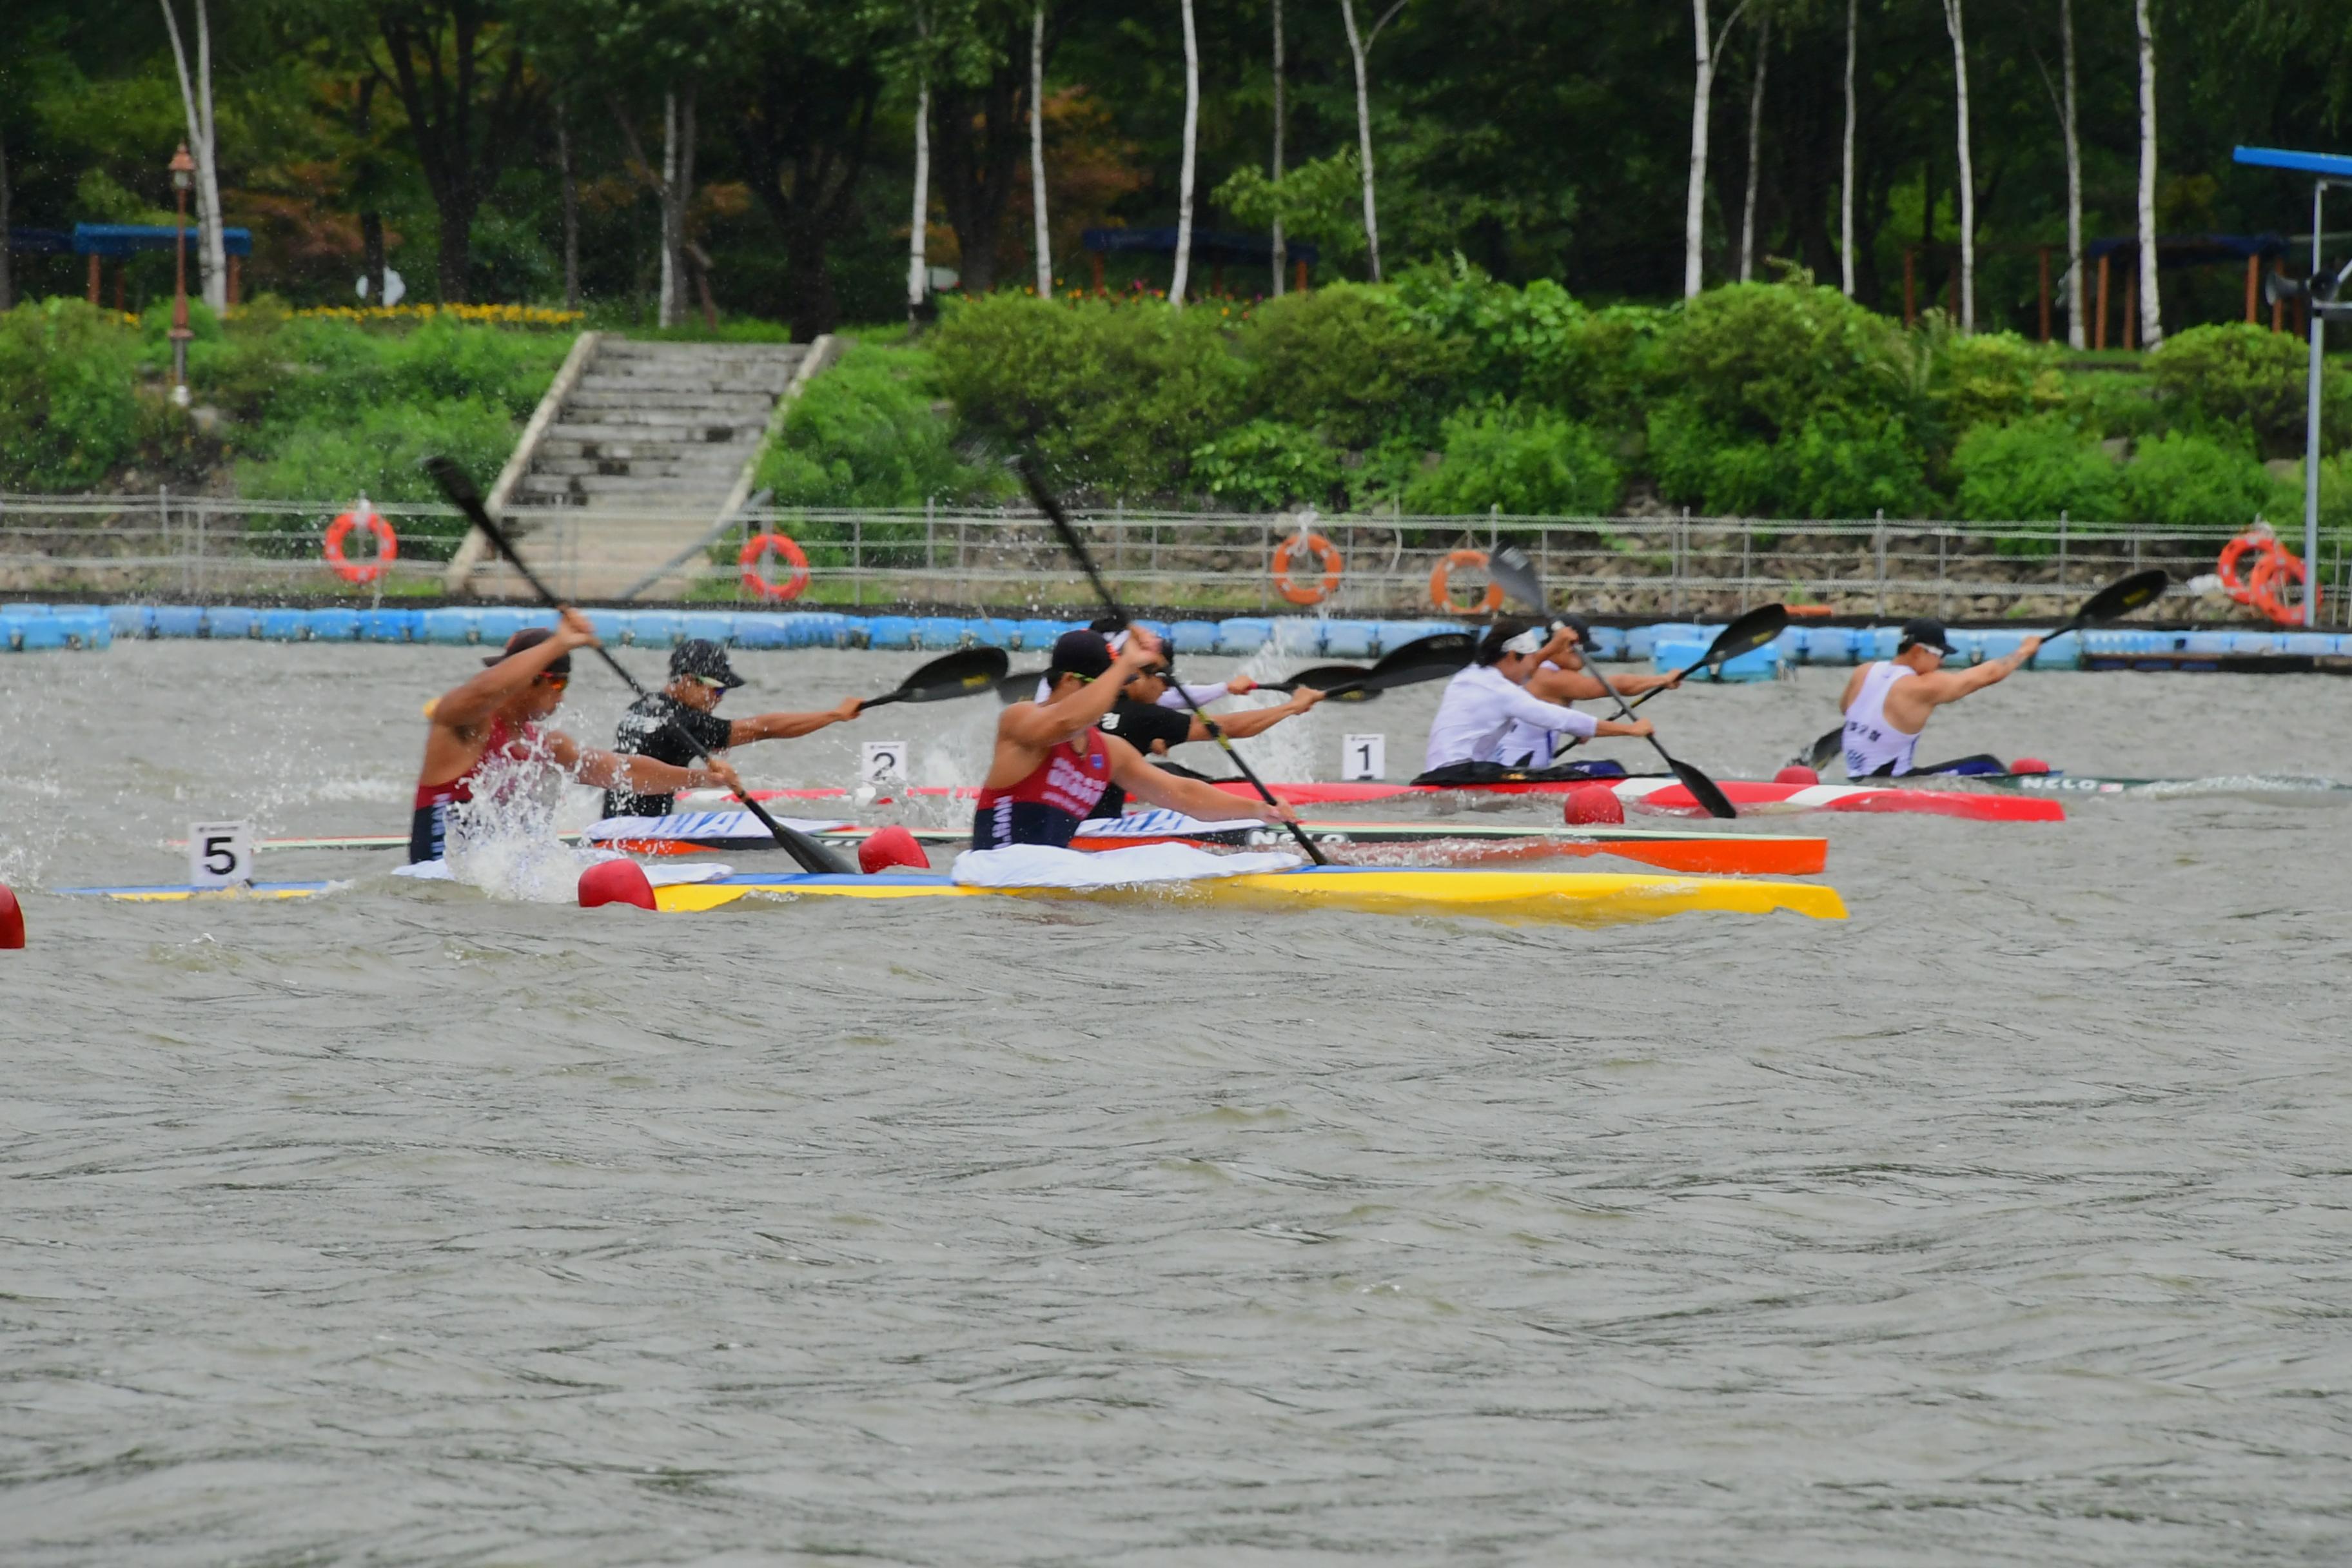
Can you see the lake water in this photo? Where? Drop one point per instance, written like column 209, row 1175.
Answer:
column 2005, row 1222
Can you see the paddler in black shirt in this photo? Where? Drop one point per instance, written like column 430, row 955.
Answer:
column 1140, row 719
column 699, row 676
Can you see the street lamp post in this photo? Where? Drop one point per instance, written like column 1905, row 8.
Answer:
column 183, row 169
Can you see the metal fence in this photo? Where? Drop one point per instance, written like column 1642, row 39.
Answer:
column 211, row 548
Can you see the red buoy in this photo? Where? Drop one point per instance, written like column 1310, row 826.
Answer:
column 616, row 882
column 1592, row 805
column 2029, row 766
column 12, row 921
column 1797, row 774
column 888, row 847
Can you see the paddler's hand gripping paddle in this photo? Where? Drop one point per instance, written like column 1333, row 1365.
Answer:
column 2111, row 602
column 1051, row 507
column 459, row 488
column 1510, row 567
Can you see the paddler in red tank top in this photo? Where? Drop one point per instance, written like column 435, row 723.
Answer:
column 498, row 713
column 1051, row 764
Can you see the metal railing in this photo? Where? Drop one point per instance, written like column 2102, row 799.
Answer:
column 1006, row 561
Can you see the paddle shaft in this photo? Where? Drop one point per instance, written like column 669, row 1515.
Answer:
column 1051, row 507
column 812, row 855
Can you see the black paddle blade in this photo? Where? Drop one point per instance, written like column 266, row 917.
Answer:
column 1824, row 748
column 1703, row 789
column 964, row 673
column 1749, row 633
column 1441, row 653
column 2118, row 600
column 1516, row 576
column 1018, row 686
column 1342, row 682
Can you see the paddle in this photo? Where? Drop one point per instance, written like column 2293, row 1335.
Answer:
column 456, row 484
column 1431, row 658
column 1051, row 507
column 2112, row 603
column 1510, row 567
column 1746, row 634
column 959, row 674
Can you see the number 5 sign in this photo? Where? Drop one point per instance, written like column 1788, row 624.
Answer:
column 220, row 854
column 1364, row 757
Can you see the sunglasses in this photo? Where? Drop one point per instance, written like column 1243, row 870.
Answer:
column 557, row 681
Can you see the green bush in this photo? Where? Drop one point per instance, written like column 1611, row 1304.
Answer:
column 1525, row 460
column 1995, row 378
column 1348, row 362
column 68, row 406
column 380, row 452
column 1266, row 464
column 2190, row 481
column 1758, row 359
column 2034, row 470
column 2249, row 380
column 1537, row 342
column 1116, row 396
column 863, row 433
column 1835, row 466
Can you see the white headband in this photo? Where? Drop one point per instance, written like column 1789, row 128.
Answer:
column 1530, row 641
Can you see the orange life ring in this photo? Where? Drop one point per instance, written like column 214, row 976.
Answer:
column 387, row 547
column 1441, row 585
column 754, row 554
column 1324, row 551
column 2242, row 588
column 2273, row 573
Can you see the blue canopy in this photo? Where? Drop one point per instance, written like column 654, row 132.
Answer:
column 1211, row 245
column 120, row 239
column 2328, row 166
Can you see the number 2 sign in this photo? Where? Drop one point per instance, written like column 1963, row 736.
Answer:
column 220, row 854
column 883, row 761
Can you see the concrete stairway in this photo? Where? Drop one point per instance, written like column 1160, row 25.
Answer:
column 638, row 450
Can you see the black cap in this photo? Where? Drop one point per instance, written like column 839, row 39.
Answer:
column 1576, row 624
column 1078, row 653
column 701, row 657
column 1925, row 634
column 532, row 636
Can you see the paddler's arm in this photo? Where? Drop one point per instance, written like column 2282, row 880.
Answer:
column 1257, row 720
column 1041, row 726
column 1531, row 710
column 1951, row 685
column 791, row 726
column 477, row 700
column 1194, row 797
column 1582, row 685
column 643, row 776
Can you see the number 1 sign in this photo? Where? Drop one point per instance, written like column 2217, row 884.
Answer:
column 1364, row 757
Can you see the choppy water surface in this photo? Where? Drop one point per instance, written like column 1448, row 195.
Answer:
column 2005, row 1222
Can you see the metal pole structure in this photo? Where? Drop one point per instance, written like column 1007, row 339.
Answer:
column 2311, row 425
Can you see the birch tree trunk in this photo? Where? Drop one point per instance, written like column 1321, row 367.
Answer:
column 1845, row 187
column 1184, row 178
column 196, row 101
column 1358, row 46
column 1281, row 249
column 1695, row 205
column 1037, row 149
column 1954, row 24
column 2151, row 313
column 676, row 188
column 2076, row 337
column 1755, row 152
column 918, row 223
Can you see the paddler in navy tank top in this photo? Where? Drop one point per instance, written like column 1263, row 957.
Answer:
column 1051, row 764
column 495, row 717
column 1887, row 703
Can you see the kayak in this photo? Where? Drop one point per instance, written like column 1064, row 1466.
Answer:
column 1658, row 792
column 2285, row 788
column 1426, row 842
column 1568, row 898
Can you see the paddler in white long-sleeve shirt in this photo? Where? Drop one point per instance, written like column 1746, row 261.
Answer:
column 1481, row 704
column 1565, row 679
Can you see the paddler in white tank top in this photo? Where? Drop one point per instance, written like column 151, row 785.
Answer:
column 1565, row 677
column 1887, row 703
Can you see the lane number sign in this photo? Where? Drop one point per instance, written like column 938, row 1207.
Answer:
column 1364, row 757
column 883, row 762
column 220, row 854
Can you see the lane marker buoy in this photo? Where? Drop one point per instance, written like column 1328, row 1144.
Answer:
column 616, row 882
column 888, row 847
column 12, row 921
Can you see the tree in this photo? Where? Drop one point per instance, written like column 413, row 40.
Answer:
column 1755, row 150
column 2062, row 99
column 457, row 68
column 1954, row 24
column 1044, row 244
column 196, row 99
column 1359, row 45
column 918, row 225
column 1192, row 143
column 979, row 130
column 1281, row 249
column 2151, row 311
column 1845, row 183
column 1708, row 45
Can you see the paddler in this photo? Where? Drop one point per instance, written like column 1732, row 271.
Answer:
column 699, row 676
column 491, row 726
column 1888, row 702
column 1564, row 680
column 1053, row 762
column 1490, row 695
column 1144, row 718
